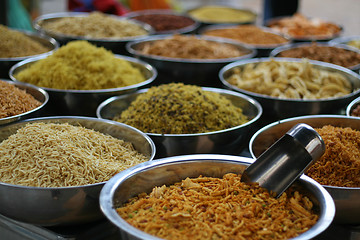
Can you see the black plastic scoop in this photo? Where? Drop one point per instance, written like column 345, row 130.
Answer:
column 284, row 162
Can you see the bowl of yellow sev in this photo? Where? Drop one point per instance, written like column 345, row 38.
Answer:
column 17, row 45
column 188, row 58
column 80, row 75
column 53, row 168
column 187, row 119
column 289, row 87
column 222, row 14
column 103, row 30
column 201, row 197
column 20, row 101
column 338, row 169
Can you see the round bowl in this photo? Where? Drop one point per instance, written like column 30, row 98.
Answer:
column 251, row 40
column 346, row 60
column 144, row 177
column 352, row 106
column 38, row 93
column 347, row 40
column 201, row 72
column 7, row 63
column 346, row 199
column 54, row 206
column 300, row 22
column 221, row 14
column 85, row 102
column 277, row 108
column 116, row 45
column 156, row 18
column 228, row 141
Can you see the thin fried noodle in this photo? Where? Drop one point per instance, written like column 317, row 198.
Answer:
column 219, row 208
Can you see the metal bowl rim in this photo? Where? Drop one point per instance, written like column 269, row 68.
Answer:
column 49, row 16
column 344, row 39
column 111, row 186
column 250, row 100
column 49, row 39
column 267, row 59
column 38, row 89
column 146, row 65
column 92, row 119
column 129, row 47
column 257, row 46
column 351, row 105
column 324, row 116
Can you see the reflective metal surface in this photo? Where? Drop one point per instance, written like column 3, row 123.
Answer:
column 276, row 108
column 346, row 199
column 202, row 72
column 144, row 177
column 49, row 42
column 38, row 93
column 85, row 102
column 344, row 39
column 352, row 105
column 285, row 160
column 115, row 45
column 224, row 141
column 64, row 205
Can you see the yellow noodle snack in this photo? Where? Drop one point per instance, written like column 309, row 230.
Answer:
column 80, row 65
column 191, row 47
column 222, row 14
column 96, row 25
column 354, row 43
column 290, row 80
column 176, row 108
column 339, row 166
column 16, row 44
column 62, row 155
column 219, row 208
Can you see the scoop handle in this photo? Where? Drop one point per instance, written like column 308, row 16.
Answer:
column 284, row 162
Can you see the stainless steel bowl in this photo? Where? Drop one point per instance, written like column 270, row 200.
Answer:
column 144, row 177
column 201, row 72
column 188, row 29
column 115, row 45
column 208, row 21
column 263, row 50
column 64, row 205
column 229, row 141
column 356, row 67
column 352, row 105
column 7, row 63
column 344, row 39
column 310, row 38
column 85, row 102
column 38, row 93
column 346, row 199
column 276, row 108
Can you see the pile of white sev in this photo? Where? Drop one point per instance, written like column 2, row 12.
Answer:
column 62, row 155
